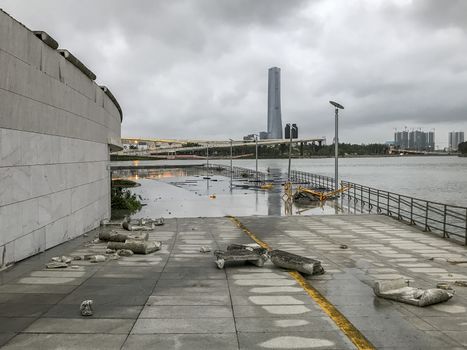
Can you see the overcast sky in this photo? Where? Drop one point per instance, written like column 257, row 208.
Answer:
column 198, row 68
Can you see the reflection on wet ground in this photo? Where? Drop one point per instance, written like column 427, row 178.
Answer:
column 193, row 192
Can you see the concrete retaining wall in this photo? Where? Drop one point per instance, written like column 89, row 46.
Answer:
column 56, row 129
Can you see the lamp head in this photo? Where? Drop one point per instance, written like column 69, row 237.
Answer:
column 337, row 105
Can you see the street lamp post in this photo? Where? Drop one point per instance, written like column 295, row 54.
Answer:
column 231, row 155
column 231, row 165
column 256, row 149
column 207, row 159
column 290, row 125
column 337, row 106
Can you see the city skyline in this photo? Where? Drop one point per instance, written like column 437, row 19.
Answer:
column 390, row 63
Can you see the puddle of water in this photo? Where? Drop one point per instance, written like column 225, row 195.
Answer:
column 191, row 192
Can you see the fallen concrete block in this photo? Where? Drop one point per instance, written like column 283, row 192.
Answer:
column 398, row 290
column 142, row 224
column 97, row 258
column 295, row 262
column 125, row 252
column 239, row 252
column 86, row 308
column 114, row 236
column 136, row 246
column 205, row 249
column 63, row 259
column 56, row 265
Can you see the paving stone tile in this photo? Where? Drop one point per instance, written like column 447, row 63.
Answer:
column 99, row 311
column 226, row 341
column 188, row 325
column 15, row 324
column 78, row 325
column 202, row 299
column 66, row 341
column 294, row 340
column 202, row 311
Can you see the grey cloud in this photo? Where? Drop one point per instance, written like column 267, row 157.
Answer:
column 198, row 68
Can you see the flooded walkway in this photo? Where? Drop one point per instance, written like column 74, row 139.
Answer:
column 178, row 298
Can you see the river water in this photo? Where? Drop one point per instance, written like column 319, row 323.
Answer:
column 439, row 179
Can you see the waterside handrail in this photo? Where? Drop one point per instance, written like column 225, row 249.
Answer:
column 450, row 221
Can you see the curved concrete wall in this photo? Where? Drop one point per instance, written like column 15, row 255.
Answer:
column 56, row 128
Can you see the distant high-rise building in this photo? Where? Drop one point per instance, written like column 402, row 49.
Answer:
column 415, row 140
column 431, row 140
column 274, row 103
column 455, row 137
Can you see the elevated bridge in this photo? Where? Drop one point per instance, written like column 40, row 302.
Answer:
column 154, row 146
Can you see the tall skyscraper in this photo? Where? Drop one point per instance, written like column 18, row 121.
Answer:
column 274, row 103
column 455, row 137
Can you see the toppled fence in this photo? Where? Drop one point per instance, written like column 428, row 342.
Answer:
column 450, row 221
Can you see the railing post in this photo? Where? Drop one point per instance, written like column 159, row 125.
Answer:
column 377, row 201
column 426, row 216
column 399, row 208
column 388, row 211
column 445, row 234
column 465, row 227
column 411, row 211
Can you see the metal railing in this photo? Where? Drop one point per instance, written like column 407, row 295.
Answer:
column 313, row 180
column 238, row 172
column 449, row 221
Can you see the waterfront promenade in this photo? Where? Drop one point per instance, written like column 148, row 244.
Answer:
column 177, row 298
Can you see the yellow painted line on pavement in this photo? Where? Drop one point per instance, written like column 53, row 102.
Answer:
column 354, row 335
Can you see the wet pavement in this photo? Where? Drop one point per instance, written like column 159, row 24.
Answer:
column 178, row 298
column 191, row 192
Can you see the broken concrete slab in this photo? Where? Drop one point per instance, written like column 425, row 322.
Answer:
column 115, row 236
column 86, row 308
column 289, row 261
column 136, row 246
column 239, row 252
column 398, row 290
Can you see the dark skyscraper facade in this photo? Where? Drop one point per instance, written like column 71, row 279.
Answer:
column 274, row 104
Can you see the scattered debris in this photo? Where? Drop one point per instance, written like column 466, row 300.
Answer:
column 110, row 251
column 205, row 249
column 142, row 224
column 63, row 259
column 125, row 252
column 56, row 265
column 97, row 258
column 114, row 236
column 299, row 263
column 136, row 246
column 86, row 308
column 212, row 196
column 398, row 290
column 239, row 252
column 97, row 240
column 460, row 283
column 343, row 246
column 444, row 285
column 456, row 261
column 85, row 234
